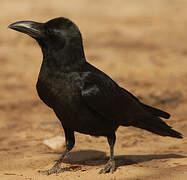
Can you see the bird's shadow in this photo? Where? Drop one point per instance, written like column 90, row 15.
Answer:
column 96, row 158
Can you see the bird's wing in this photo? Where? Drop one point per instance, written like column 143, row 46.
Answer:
column 150, row 109
column 103, row 96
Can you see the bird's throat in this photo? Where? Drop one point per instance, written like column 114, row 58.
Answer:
column 65, row 60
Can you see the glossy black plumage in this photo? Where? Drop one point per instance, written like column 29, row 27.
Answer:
column 84, row 98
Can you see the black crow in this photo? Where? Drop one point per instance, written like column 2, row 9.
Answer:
column 84, row 98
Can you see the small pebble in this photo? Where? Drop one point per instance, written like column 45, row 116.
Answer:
column 55, row 143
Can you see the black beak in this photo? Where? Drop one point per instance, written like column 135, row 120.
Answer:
column 33, row 29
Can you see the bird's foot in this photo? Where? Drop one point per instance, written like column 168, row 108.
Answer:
column 56, row 169
column 109, row 167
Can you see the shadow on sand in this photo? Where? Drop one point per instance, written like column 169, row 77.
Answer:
column 96, row 158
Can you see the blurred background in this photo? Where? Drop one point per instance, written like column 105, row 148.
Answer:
column 140, row 44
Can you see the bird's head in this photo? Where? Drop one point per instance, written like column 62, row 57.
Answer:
column 54, row 36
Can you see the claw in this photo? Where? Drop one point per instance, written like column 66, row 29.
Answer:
column 56, row 169
column 109, row 167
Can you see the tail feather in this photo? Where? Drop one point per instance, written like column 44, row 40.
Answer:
column 156, row 112
column 158, row 126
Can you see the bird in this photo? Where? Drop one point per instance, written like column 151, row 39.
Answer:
column 84, row 98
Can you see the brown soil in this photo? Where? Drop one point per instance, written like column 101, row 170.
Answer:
column 140, row 44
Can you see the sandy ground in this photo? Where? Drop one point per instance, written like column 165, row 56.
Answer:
column 141, row 44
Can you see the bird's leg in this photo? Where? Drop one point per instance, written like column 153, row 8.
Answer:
column 70, row 141
column 110, row 165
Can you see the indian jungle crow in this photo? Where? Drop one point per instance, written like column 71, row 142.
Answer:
column 85, row 99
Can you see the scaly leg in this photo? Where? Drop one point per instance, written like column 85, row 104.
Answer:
column 70, row 141
column 110, row 165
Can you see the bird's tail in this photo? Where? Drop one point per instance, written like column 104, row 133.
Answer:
column 157, row 126
column 155, row 111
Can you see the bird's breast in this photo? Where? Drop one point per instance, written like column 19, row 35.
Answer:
column 57, row 92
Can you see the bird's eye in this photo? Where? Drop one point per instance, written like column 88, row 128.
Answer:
column 49, row 32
